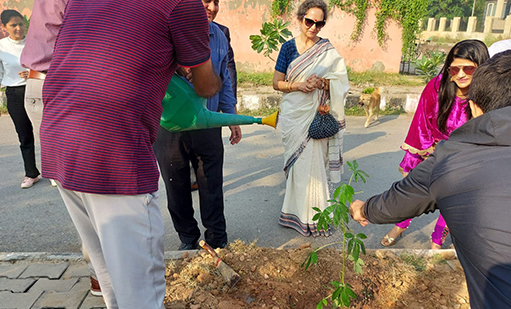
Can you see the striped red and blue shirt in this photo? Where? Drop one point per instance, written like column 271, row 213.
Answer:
column 102, row 96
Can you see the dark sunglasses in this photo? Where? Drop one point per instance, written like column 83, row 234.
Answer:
column 468, row 69
column 309, row 23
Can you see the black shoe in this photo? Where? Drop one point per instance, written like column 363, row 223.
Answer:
column 221, row 246
column 187, row 246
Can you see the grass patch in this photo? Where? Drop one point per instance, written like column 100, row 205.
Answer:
column 417, row 262
column 255, row 79
column 356, row 79
column 3, row 109
column 489, row 39
column 263, row 111
column 444, row 39
column 438, row 259
column 359, row 111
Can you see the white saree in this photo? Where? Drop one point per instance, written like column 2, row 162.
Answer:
column 308, row 160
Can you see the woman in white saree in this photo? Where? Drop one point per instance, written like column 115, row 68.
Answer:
column 310, row 73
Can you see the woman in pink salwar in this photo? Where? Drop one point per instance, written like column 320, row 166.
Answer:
column 441, row 110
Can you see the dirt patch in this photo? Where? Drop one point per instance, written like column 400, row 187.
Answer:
column 273, row 279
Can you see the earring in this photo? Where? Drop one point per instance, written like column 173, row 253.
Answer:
column 452, row 78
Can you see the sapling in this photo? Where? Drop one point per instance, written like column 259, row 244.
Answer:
column 337, row 216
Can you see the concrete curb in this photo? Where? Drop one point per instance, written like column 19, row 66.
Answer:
column 447, row 254
column 406, row 102
column 46, row 256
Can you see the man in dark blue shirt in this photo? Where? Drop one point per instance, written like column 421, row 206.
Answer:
column 204, row 149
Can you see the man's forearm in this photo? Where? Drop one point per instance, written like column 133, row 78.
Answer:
column 406, row 199
column 205, row 81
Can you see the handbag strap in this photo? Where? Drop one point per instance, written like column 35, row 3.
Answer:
column 324, row 96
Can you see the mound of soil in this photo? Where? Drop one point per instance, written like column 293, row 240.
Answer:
column 274, row 279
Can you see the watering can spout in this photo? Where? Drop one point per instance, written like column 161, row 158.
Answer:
column 184, row 110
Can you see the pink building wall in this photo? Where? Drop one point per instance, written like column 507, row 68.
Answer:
column 244, row 18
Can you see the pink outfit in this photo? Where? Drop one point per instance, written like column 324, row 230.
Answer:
column 423, row 136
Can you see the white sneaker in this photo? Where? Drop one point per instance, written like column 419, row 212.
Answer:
column 29, row 182
column 53, row 183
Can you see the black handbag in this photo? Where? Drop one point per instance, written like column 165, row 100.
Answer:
column 323, row 126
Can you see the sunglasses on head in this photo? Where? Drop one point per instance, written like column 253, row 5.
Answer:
column 309, row 23
column 468, row 69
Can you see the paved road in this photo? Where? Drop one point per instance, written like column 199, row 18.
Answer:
column 35, row 219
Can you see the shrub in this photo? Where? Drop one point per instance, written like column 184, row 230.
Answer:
column 429, row 65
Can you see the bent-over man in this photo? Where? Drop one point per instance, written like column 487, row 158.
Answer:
column 468, row 179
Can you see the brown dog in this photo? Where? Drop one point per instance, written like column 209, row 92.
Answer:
column 370, row 102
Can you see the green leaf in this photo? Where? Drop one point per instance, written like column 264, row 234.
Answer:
column 357, row 266
column 363, row 248
column 351, row 242
column 361, row 236
column 358, row 269
column 351, row 294
column 337, row 217
column 363, row 173
column 321, row 303
column 336, row 293
column 337, row 191
column 311, row 257
column 329, row 209
column 345, row 298
column 356, row 252
column 317, row 209
column 286, row 33
column 255, row 38
column 345, row 216
column 348, row 235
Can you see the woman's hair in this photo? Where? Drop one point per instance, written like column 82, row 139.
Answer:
column 309, row 4
column 6, row 16
column 473, row 50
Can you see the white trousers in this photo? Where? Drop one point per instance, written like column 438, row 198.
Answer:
column 124, row 237
column 34, row 103
column 34, row 108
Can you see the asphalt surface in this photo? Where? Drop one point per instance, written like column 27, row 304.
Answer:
column 35, row 219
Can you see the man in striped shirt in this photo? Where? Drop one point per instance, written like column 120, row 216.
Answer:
column 102, row 97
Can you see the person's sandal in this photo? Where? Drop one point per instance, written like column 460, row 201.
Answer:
column 388, row 241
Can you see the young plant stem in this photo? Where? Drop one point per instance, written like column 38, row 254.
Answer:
column 343, row 252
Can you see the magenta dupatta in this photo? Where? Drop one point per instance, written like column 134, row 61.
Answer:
column 424, row 134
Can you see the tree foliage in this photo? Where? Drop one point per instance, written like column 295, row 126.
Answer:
column 449, row 8
column 455, row 8
column 272, row 34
